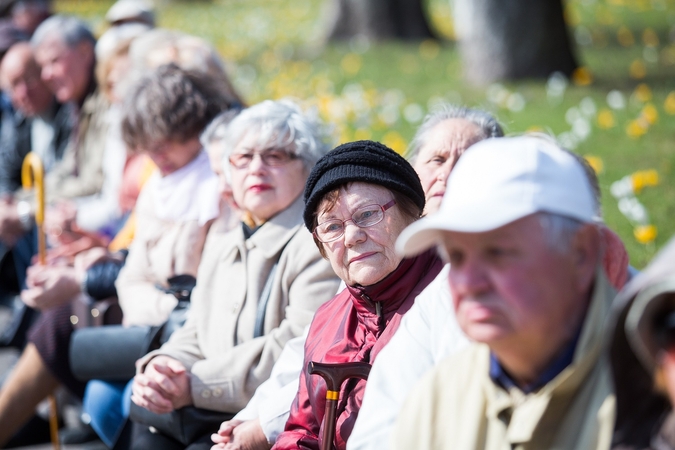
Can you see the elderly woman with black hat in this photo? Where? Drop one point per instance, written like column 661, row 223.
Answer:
column 358, row 199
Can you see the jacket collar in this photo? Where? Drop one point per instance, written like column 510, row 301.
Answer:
column 586, row 355
column 387, row 295
column 274, row 234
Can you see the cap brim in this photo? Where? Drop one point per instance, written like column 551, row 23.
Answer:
column 427, row 231
column 421, row 235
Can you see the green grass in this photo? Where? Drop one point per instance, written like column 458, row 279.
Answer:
column 273, row 49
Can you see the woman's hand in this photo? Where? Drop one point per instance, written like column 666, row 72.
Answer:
column 240, row 435
column 50, row 286
column 163, row 387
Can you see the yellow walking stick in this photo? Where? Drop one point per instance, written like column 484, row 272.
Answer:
column 32, row 173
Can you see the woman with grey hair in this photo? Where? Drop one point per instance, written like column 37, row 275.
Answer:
column 258, row 284
column 163, row 118
column 439, row 142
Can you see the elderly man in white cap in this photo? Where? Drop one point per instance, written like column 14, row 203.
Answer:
column 518, row 228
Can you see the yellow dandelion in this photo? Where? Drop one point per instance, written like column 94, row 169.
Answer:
column 351, row 63
column 636, row 129
column 535, row 129
column 669, row 104
column 644, row 178
column 606, row 119
column 649, row 38
column 596, row 163
column 650, row 114
column 645, row 233
column 643, row 93
column 637, row 69
column 625, row 36
column 429, row 49
column 582, row 76
column 395, row 141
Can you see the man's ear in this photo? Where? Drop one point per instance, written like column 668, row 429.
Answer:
column 587, row 255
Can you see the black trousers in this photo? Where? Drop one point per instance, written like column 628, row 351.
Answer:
column 144, row 439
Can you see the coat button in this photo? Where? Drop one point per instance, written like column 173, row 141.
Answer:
column 217, row 392
column 206, row 393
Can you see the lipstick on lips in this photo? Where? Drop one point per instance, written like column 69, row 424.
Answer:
column 260, row 187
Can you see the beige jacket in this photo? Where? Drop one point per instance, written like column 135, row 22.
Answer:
column 457, row 406
column 160, row 249
column 216, row 343
column 80, row 172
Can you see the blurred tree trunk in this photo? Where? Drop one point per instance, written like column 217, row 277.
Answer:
column 377, row 20
column 512, row 39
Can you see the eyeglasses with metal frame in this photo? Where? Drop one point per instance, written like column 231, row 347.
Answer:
column 270, row 158
column 364, row 217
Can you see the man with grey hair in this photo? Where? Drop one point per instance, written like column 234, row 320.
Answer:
column 40, row 124
column 64, row 49
column 519, row 230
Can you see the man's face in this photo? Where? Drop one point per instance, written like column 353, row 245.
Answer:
column 21, row 79
column 510, row 290
column 66, row 70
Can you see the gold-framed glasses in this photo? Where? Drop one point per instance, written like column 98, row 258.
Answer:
column 364, row 217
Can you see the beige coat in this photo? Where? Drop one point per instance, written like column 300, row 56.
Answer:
column 160, row 249
column 216, row 343
column 458, row 406
column 80, row 172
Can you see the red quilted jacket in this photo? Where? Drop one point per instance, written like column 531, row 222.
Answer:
column 348, row 329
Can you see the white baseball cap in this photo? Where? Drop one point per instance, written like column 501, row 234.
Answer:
column 138, row 10
column 500, row 180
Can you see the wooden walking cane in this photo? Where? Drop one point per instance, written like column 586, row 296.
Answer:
column 32, row 173
column 335, row 375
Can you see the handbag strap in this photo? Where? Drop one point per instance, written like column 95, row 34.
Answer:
column 262, row 303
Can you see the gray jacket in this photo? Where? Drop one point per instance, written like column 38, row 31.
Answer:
column 15, row 141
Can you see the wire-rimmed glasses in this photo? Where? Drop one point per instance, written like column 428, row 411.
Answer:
column 271, row 158
column 364, row 217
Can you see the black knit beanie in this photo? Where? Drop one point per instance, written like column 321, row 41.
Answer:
column 365, row 161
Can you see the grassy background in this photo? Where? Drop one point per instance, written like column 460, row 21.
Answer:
column 381, row 91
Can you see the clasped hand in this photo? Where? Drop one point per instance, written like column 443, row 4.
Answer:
column 163, row 387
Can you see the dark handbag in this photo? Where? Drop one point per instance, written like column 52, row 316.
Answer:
column 185, row 425
column 99, row 305
column 110, row 352
column 190, row 423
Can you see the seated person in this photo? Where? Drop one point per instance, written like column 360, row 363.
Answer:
column 518, row 227
column 642, row 356
column 64, row 49
column 440, row 140
column 429, row 333
column 230, row 342
column 171, row 231
column 358, row 199
column 42, row 124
